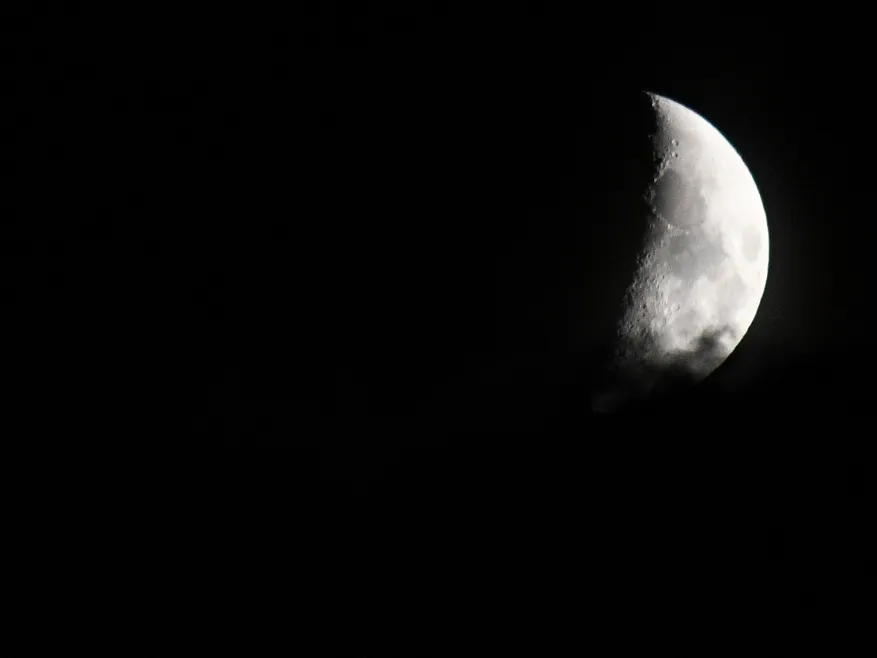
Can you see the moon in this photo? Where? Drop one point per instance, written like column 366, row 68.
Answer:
column 702, row 270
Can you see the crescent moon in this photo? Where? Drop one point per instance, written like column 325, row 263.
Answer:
column 703, row 268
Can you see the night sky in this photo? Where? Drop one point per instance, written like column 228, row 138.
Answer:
column 336, row 273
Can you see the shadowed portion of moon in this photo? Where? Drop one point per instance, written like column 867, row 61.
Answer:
column 616, row 225
column 701, row 268
column 669, row 375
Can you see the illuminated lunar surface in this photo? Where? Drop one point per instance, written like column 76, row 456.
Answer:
column 702, row 272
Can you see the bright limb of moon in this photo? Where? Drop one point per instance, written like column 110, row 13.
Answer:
column 703, row 270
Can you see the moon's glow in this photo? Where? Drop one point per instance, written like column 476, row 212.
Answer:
column 703, row 270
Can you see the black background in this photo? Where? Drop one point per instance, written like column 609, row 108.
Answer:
column 308, row 295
